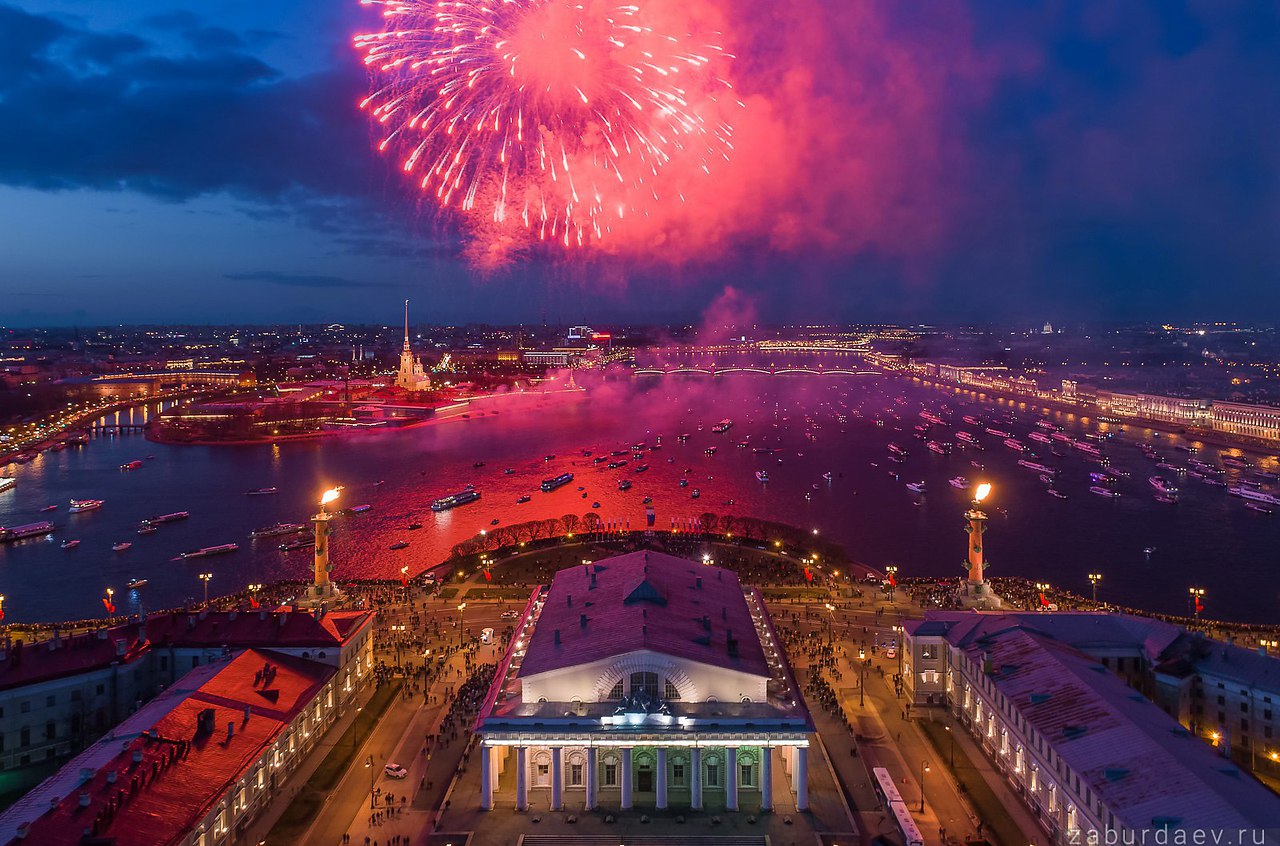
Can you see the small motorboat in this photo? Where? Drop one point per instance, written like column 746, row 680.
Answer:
column 400, row 545
column 594, row 504
column 412, row 526
column 70, row 544
column 120, row 547
column 508, row 472
column 146, row 529
column 522, row 500
column 134, row 584
column 493, row 522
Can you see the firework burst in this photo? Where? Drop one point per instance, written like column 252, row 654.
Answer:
column 560, row 119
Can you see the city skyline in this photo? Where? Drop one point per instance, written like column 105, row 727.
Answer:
column 183, row 164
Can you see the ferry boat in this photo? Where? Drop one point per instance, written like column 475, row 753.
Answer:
column 1101, row 491
column 277, row 529
column 462, row 497
column 999, row 433
column 897, row 450
column 1057, row 493
column 1045, row 424
column 170, row 518
column 959, row 483
column 294, row 546
column 932, row 418
column 967, row 438
column 523, row 499
column 1060, row 436
column 1261, row 509
column 939, row 448
column 641, row 468
column 624, row 485
column 131, row 465
column 1237, row 463
column 916, row 487
column 1163, row 485
column 1036, row 466
column 78, row 505
column 710, row 450
column 27, row 530
column 6, row 483
column 262, row 491
column 1040, row 437
column 723, row 426
column 357, row 509
column 1253, row 495
column 971, row 420
column 614, row 465
column 762, row 476
column 1088, row 449
column 399, row 545
column 413, row 526
column 134, row 584
column 205, row 551
column 1015, row 444
column 121, row 546
column 69, row 544
column 145, row 528
column 551, row 484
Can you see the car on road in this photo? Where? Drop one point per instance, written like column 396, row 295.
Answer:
column 395, row 771
column 510, row 615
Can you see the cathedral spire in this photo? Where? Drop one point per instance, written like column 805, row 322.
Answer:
column 406, row 325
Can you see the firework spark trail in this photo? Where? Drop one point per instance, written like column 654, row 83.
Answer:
column 555, row 117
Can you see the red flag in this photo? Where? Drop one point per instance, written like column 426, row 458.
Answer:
column 808, row 575
column 1199, row 604
column 1, row 613
column 110, row 606
column 893, row 582
column 488, row 577
column 253, row 602
column 1043, row 602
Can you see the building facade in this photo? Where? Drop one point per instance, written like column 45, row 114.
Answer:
column 639, row 680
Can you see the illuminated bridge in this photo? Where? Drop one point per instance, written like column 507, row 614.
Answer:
column 786, row 370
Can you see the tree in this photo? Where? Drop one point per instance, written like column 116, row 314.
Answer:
column 569, row 523
column 592, row 521
column 707, row 521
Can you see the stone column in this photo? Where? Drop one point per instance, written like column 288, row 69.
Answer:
column 522, row 778
column 731, row 778
column 557, row 779
column 695, row 786
column 802, row 778
column 662, row 777
column 626, row 778
column 766, row 778
column 591, row 778
column 486, row 778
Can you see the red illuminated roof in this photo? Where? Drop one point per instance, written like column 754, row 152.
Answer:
column 645, row 600
column 288, row 629
column 30, row 663
column 157, row 800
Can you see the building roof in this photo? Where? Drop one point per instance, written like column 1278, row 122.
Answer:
column 179, row 774
column 1144, row 767
column 645, row 601
column 61, row 657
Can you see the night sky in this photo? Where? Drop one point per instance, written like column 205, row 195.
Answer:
column 899, row 160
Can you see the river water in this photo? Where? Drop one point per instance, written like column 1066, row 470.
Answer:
column 817, row 425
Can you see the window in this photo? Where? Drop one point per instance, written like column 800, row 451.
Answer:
column 25, row 707
column 50, row 730
column 25, row 737
column 610, row 775
column 615, row 692
column 646, row 683
column 713, row 775
column 670, row 691
column 928, row 650
column 50, row 700
column 677, row 773
column 575, row 774
column 744, row 774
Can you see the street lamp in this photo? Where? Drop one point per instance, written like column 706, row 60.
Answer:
column 1094, row 578
column 924, row 768
column 862, row 677
column 1196, row 593
column 205, row 577
column 831, row 609
column 368, row 762
column 462, row 606
column 952, row 737
column 892, row 572
column 1041, row 587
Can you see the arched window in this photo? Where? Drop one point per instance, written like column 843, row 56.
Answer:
column 616, row 691
column 646, row 683
column 670, row 691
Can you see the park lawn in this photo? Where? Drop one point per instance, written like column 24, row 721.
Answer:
column 1000, row 829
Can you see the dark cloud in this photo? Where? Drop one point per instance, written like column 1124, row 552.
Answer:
column 302, row 280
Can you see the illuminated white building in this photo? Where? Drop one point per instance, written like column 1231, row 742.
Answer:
column 644, row 679
column 412, row 376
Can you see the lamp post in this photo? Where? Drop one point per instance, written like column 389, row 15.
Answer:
column 1094, row 578
column 205, row 577
column 892, row 572
column 462, row 606
column 1041, row 587
column 1196, row 593
column 831, row 609
column 862, row 677
column 373, row 775
column 952, row 738
column 924, row 768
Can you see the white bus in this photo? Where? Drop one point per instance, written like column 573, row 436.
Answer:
column 892, row 799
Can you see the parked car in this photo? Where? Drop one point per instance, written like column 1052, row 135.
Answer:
column 396, row 771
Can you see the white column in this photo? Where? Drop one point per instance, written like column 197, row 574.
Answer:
column 695, row 786
column 731, row 778
column 522, row 778
column 802, row 778
column 766, row 778
column 591, row 778
column 486, row 778
column 662, row 777
column 557, row 780
column 626, row 778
